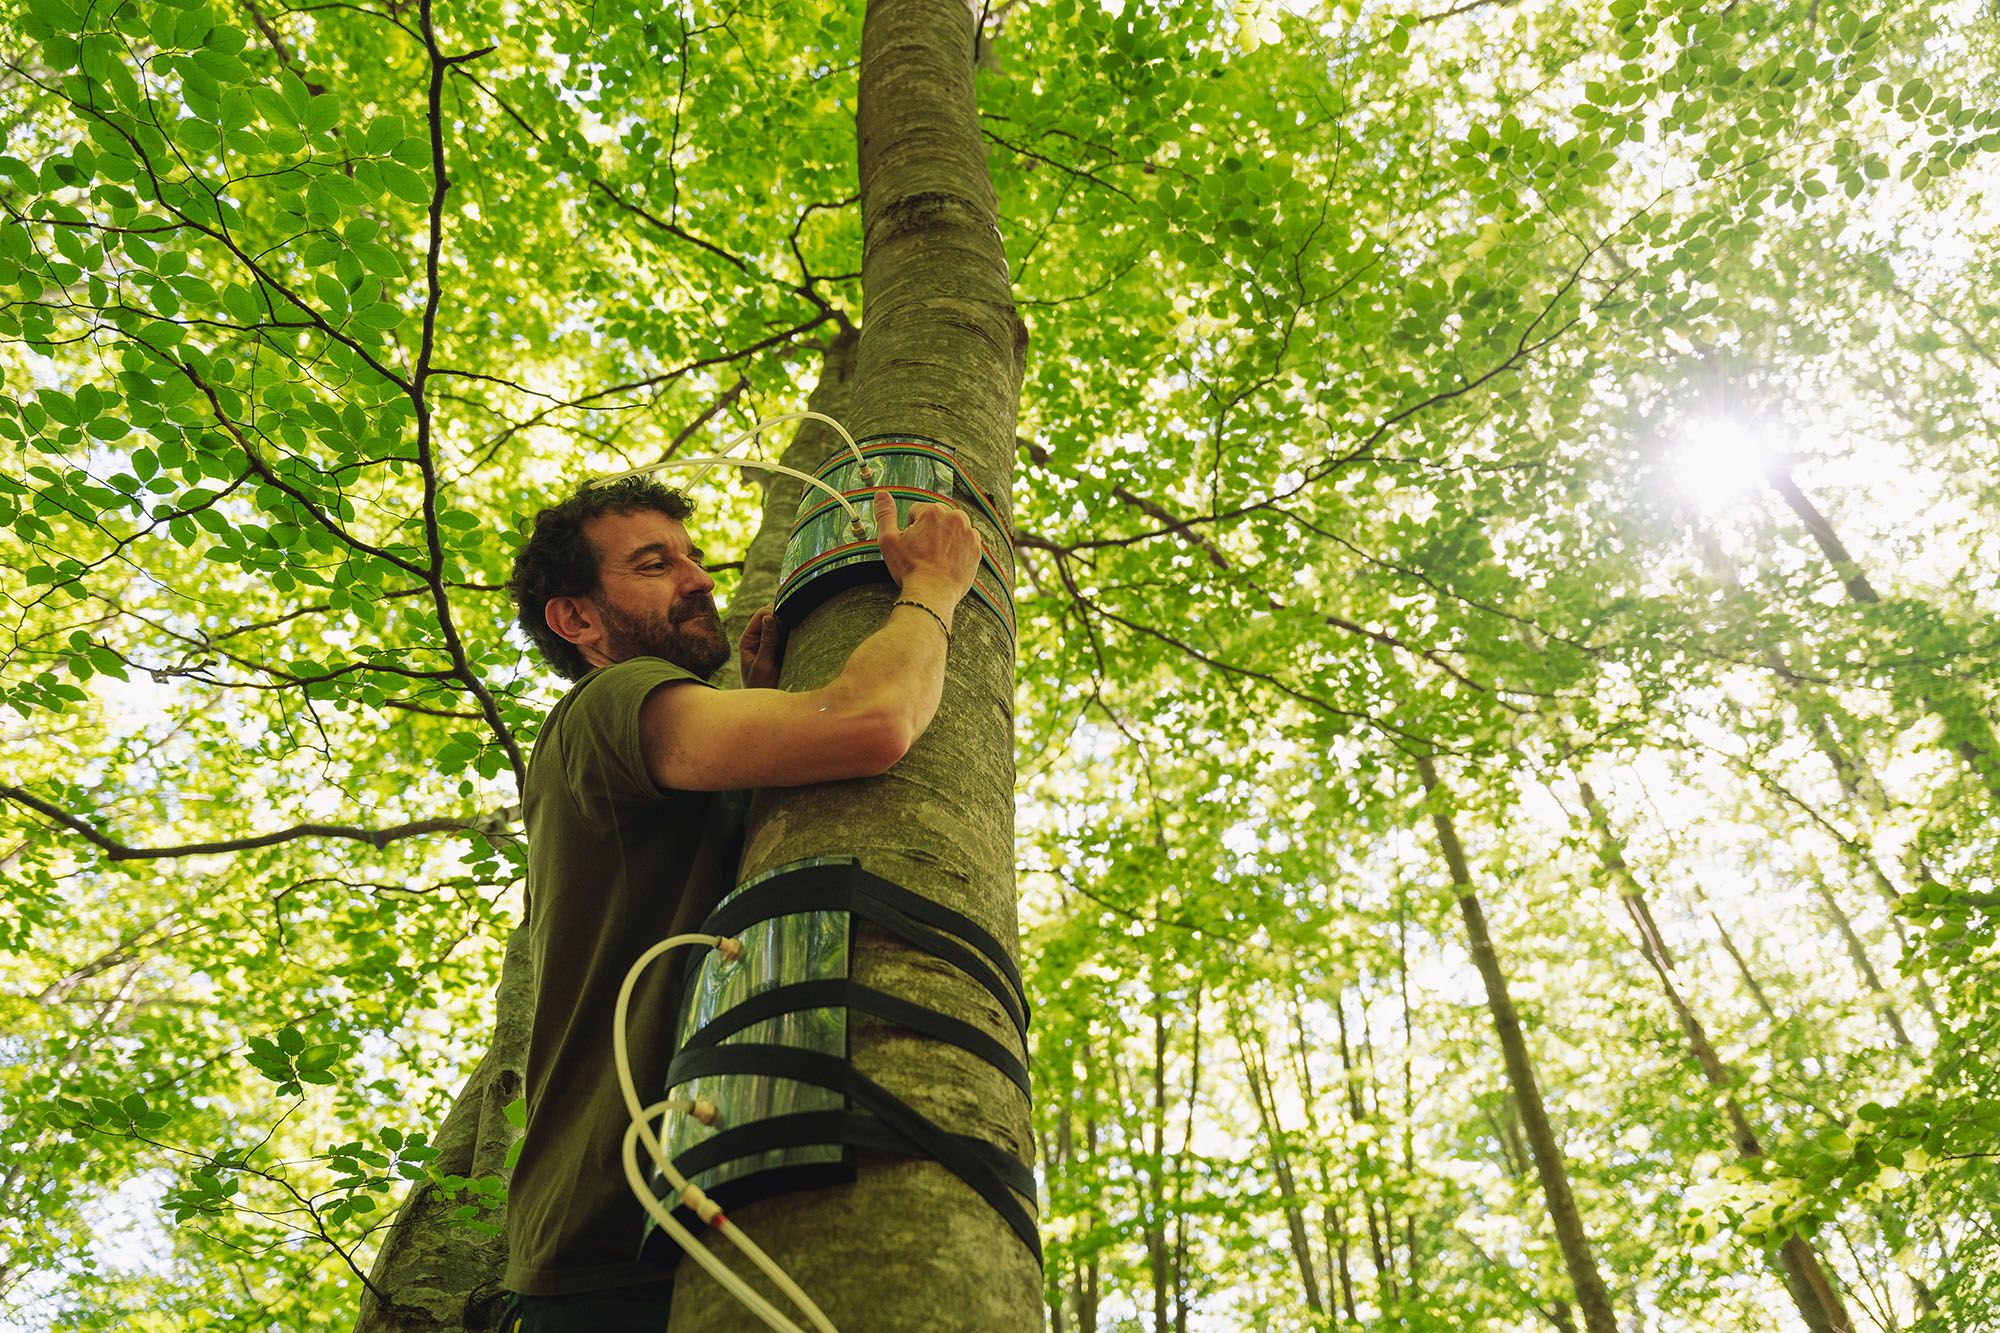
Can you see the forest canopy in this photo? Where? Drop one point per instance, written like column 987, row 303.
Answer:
column 1505, row 489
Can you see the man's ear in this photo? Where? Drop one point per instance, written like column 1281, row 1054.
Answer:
column 575, row 619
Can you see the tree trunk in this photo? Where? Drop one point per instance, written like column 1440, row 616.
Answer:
column 1387, row 1297
column 1965, row 730
column 1799, row 1265
column 1257, row 1069
column 1158, row 1262
column 940, row 356
column 1591, row 1296
column 431, row 1273
column 1181, row 1172
column 1415, row 1257
column 1085, row 1287
column 1857, row 951
column 1056, row 1158
column 1375, row 1147
column 1743, row 969
column 1332, row 1216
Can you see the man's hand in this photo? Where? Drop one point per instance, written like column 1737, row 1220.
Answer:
column 935, row 557
column 857, row 725
column 762, row 650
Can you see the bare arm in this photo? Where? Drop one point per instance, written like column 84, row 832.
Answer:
column 857, row 725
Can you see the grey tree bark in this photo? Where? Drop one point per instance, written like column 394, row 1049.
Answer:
column 1592, row 1298
column 1158, row 1260
column 1381, row 1240
column 940, row 355
column 1332, row 1211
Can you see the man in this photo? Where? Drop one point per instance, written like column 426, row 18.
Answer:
column 634, row 832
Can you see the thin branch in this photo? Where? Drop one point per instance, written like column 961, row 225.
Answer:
column 486, row 825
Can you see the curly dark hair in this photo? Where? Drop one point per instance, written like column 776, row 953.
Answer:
column 557, row 560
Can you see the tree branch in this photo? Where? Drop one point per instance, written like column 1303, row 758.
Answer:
column 115, row 850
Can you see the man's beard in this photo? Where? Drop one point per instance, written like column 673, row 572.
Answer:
column 690, row 636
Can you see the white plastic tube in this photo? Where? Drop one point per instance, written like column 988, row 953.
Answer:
column 746, row 1295
column 709, row 460
column 641, row 1130
column 768, row 422
column 721, row 456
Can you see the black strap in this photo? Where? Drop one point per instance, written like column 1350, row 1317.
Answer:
column 845, row 886
column 834, row 992
column 936, row 914
column 924, row 1138
column 940, row 945
column 834, row 1128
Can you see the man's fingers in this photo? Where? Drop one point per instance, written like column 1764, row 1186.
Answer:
column 885, row 513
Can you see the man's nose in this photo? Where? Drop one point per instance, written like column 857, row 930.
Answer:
column 702, row 581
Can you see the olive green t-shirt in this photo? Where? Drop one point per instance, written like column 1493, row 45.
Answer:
column 615, row 864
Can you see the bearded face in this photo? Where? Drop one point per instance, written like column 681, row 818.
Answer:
column 688, row 634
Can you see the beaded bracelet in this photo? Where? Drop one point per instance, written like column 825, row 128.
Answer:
column 927, row 611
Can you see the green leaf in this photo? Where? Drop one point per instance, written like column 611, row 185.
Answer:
column 323, row 113
column 332, row 296
column 405, row 184
column 272, row 106
column 383, row 133
column 318, row 1056
column 197, row 136
column 297, row 97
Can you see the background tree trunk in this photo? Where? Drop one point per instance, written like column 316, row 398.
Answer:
column 1256, row 1069
column 1965, row 729
column 432, row 1273
column 1799, row 1265
column 1591, row 1296
column 940, row 355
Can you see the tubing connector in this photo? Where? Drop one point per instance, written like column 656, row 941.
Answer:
column 707, row 1209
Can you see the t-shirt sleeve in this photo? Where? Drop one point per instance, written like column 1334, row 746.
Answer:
column 602, row 758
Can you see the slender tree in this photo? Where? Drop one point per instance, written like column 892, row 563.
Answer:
column 1966, row 729
column 1257, row 1072
column 1799, row 1264
column 1550, row 1169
